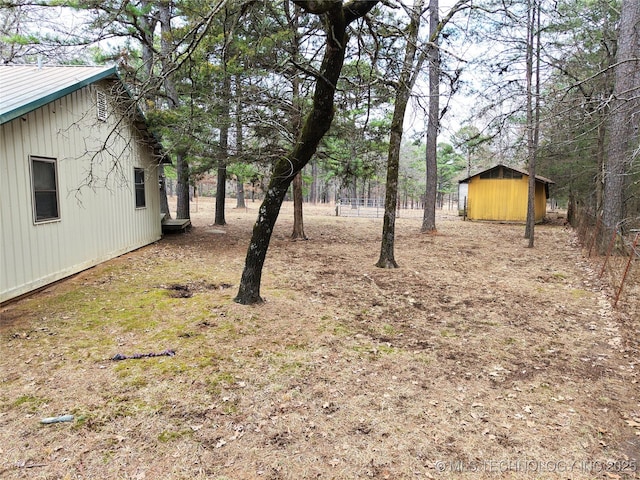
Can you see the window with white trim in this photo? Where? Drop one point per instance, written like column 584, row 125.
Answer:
column 44, row 183
column 138, row 174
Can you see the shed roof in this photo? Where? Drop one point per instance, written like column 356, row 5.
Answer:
column 24, row 88
column 515, row 169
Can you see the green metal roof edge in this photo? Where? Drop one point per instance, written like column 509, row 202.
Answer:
column 42, row 101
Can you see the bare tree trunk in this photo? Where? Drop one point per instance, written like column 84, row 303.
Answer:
column 600, row 154
column 221, row 188
column 624, row 118
column 221, row 192
column 182, row 166
column 225, row 118
column 148, row 25
column 315, row 126
column 240, row 203
column 403, row 90
column 429, row 217
column 298, row 221
column 296, row 124
column 313, row 190
column 533, row 111
column 164, row 201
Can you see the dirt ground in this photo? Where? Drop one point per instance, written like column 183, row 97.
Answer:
column 478, row 358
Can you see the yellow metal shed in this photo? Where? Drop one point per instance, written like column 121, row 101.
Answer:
column 500, row 193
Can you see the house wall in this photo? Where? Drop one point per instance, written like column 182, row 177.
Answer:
column 96, row 223
column 503, row 199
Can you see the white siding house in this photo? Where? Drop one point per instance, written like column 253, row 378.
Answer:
column 78, row 174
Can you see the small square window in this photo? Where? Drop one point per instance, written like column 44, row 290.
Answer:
column 139, row 182
column 44, row 182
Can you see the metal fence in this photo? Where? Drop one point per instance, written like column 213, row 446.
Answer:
column 616, row 252
column 374, row 208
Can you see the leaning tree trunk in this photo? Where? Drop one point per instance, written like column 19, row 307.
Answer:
column 316, row 124
column 403, row 89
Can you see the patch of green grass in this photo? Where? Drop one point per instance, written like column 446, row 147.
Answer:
column 228, row 329
column 423, row 358
column 216, row 383
column 333, row 325
column 206, row 361
column 107, row 457
column 230, row 408
column 579, row 293
column 445, row 333
column 138, row 381
column 124, row 369
column 389, row 330
column 120, row 406
column 488, row 323
column 30, row 402
column 291, row 367
column 167, row 435
column 386, row 350
column 80, row 421
column 171, row 367
column 342, row 330
column 375, row 350
column 284, row 293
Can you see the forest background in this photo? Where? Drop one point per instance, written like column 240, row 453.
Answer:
column 552, row 86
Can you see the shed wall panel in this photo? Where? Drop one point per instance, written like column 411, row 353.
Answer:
column 504, row 199
column 498, row 199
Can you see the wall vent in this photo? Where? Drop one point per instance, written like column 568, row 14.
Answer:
column 101, row 105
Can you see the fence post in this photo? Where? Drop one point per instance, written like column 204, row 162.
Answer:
column 609, row 250
column 626, row 270
column 595, row 234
